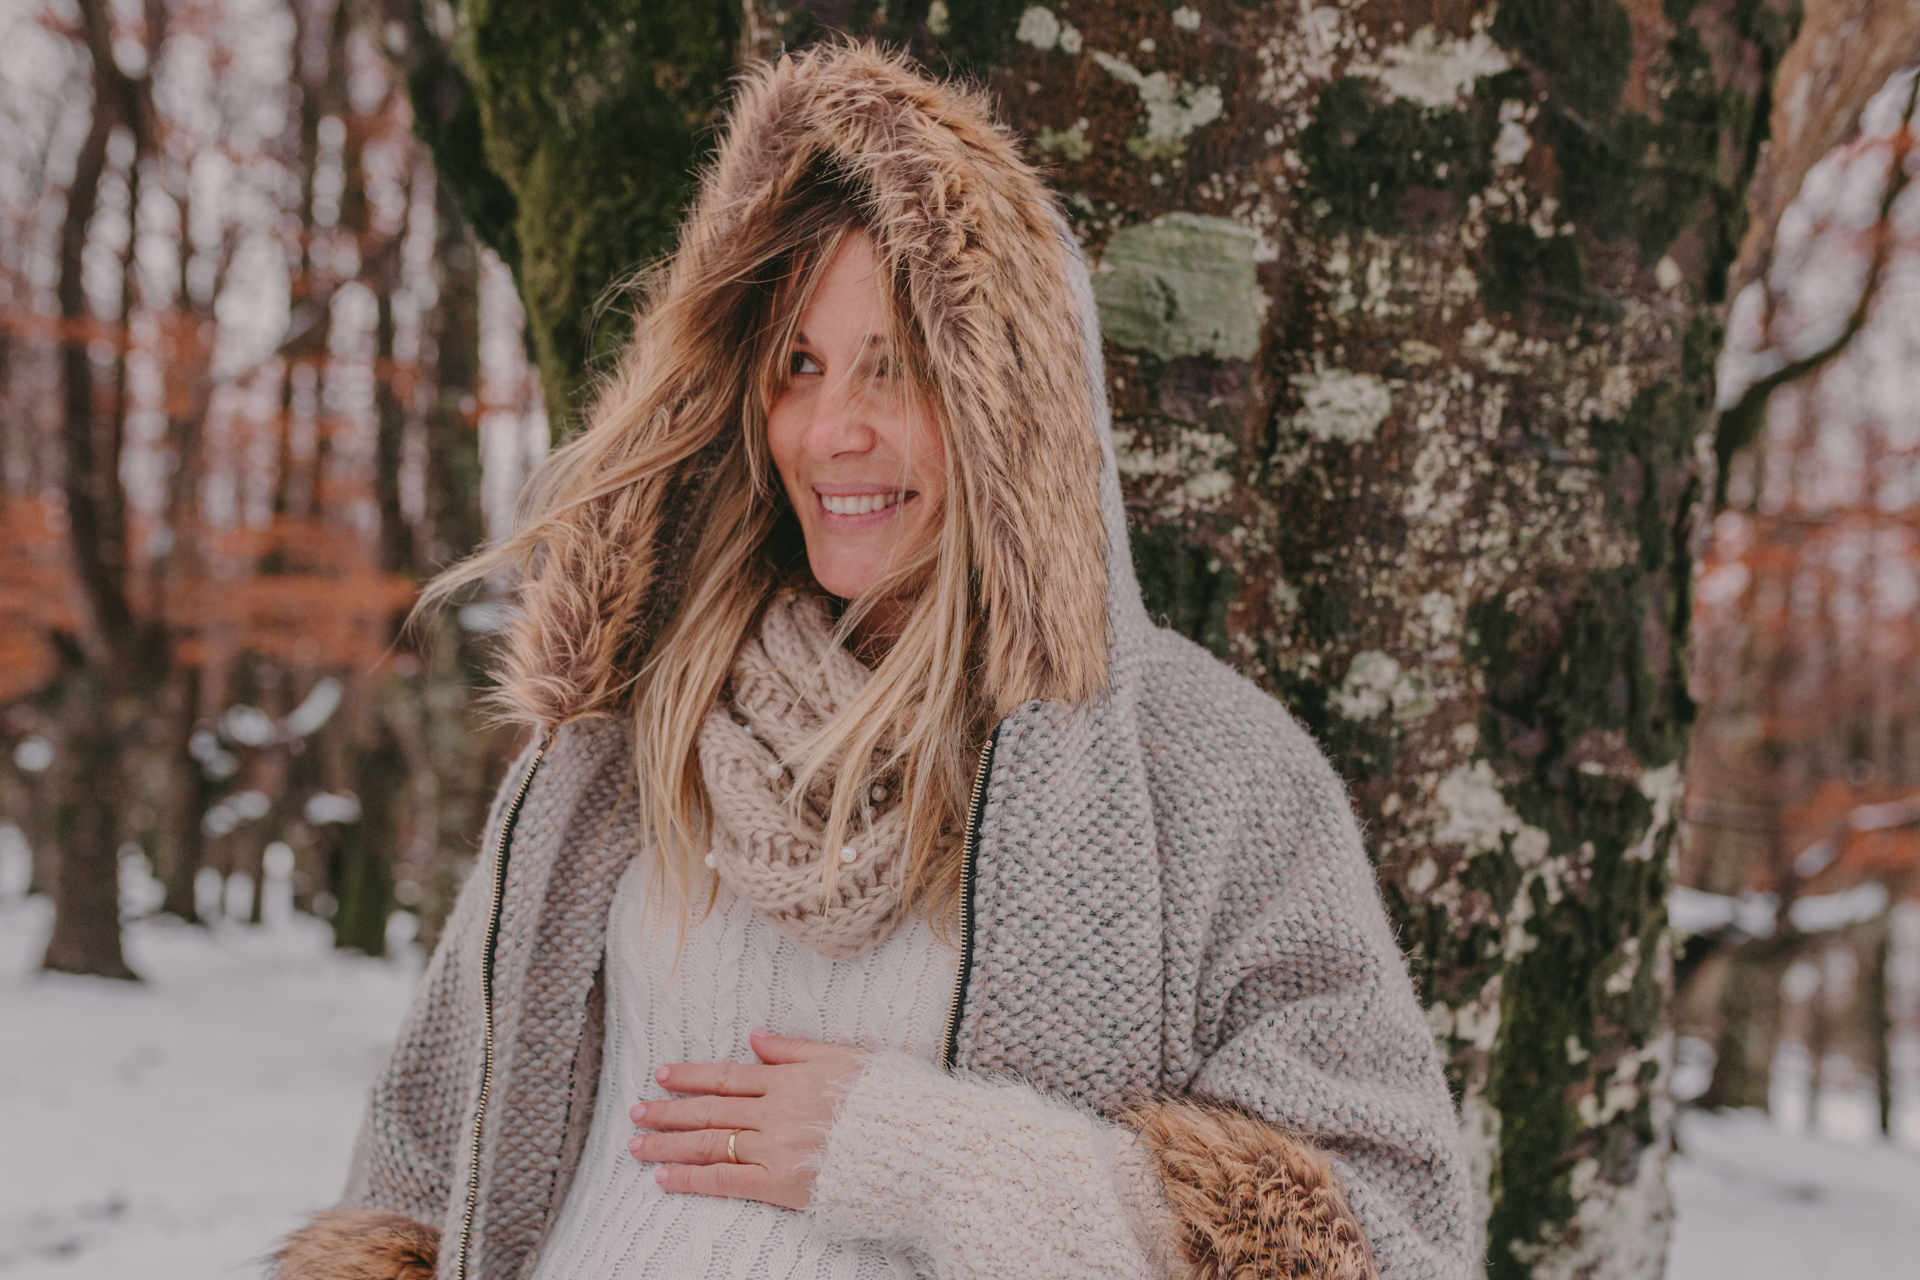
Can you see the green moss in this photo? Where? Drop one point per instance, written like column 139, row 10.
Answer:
column 979, row 38
column 1582, row 47
column 447, row 118
column 595, row 114
column 1183, row 585
column 1518, row 268
column 1182, row 285
column 1364, row 157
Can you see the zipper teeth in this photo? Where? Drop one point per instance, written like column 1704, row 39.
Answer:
column 950, row 1047
column 494, row 904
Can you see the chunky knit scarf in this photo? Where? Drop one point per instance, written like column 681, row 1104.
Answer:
column 787, row 682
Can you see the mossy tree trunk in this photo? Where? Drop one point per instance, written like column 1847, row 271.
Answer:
column 1411, row 312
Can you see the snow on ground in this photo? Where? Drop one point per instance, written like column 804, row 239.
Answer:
column 1759, row 1204
column 173, row 1130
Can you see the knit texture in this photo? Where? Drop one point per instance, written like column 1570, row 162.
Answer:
column 788, row 681
column 695, row 999
column 1171, row 895
column 991, row 1180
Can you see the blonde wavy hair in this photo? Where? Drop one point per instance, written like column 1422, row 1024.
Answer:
column 660, row 534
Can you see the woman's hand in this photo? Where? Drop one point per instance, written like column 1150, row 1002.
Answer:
column 781, row 1109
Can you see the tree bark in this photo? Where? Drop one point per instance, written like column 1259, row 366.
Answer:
column 112, row 664
column 1411, row 316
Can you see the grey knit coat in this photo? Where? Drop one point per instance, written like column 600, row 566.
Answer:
column 1171, row 897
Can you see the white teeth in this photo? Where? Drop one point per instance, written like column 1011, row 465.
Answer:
column 858, row 504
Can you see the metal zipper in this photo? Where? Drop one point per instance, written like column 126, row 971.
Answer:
column 494, row 905
column 950, row 1048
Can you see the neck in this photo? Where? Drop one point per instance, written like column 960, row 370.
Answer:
column 873, row 636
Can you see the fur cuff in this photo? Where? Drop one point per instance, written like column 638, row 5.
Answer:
column 357, row 1244
column 1248, row 1199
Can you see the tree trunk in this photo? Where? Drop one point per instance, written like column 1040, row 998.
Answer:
column 86, row 825
column 1411, row 316
column 113, row 661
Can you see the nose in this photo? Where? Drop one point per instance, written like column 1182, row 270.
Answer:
column 840, row 424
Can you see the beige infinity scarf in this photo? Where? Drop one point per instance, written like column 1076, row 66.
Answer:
column 787, row 682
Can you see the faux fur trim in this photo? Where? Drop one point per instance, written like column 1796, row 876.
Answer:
column 989, row 266
column 357, row 1244
column 1249, row 1200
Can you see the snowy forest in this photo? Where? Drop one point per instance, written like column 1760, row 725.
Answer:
column 1528, row 394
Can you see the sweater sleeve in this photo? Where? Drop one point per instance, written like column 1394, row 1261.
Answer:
column 988, row 1179
column 992, row 1180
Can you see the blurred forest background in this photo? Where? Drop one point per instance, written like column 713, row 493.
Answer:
column 1450, row 471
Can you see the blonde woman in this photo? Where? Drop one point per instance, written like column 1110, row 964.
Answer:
column 885, row 895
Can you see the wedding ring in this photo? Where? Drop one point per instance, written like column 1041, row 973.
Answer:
column 733, row 1157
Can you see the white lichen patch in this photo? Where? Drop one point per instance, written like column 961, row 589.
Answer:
column 1434, row 70
column 1664, row 787
column 1376, row 683
column 1511, row 147
column 1069, row 143
column 1194, row 473
column 1441, row 613
column 1186, row 19
column 1478, row 817
column 1300, row 57
column 1174, row 108
column 1620, row 1229
column 1038, row 27
column 1339, row 404
column 1421, row 876
column 1620, row 981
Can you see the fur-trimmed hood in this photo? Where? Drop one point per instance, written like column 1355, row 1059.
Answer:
column 1001, row 297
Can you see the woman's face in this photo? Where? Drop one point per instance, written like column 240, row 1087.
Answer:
column 861, row 460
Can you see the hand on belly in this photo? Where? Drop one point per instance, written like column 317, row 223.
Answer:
column 775, row 1114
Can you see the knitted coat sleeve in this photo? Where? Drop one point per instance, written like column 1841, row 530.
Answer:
column 1295, row 1012
column 1306, row 1129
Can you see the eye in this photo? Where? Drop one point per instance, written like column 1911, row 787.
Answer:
column 800, row 362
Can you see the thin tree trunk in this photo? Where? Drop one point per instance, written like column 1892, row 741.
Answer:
column 110, row 659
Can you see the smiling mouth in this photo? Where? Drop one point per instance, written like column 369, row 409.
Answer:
column 860, row 504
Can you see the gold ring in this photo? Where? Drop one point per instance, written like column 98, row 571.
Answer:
column 733, row 1157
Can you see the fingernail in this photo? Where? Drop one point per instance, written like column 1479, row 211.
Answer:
column 660, row 1074
column 639, row 1112
column 761, row 1031
column 633, row 1144
column 660, row 1175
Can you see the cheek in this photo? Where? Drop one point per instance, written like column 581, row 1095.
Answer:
column 785, row 425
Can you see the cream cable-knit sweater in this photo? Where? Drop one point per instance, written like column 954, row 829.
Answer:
column 921, row 1174
column 733, row 972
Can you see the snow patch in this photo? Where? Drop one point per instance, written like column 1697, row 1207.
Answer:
column 174, row 1129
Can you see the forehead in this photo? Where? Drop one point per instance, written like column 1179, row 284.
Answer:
column 850, row 293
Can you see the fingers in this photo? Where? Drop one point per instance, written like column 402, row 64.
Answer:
column 778, row 1050
column 703, row 1146
column 735, row 1181
column 708, row 1111
column 735, row 1079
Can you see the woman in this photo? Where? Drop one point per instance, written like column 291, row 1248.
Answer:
column 852, row 726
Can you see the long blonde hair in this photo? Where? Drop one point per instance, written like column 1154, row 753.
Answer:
column 682, row 427
column 650, row 545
